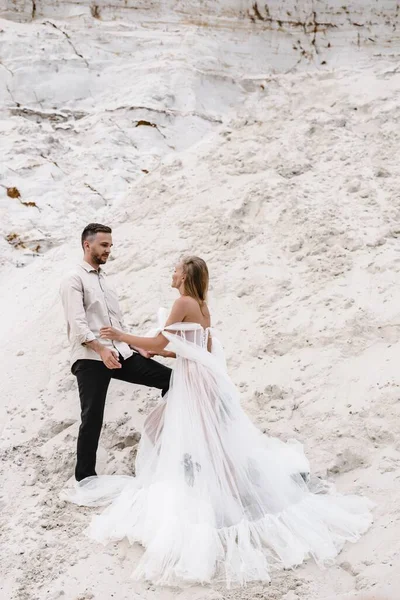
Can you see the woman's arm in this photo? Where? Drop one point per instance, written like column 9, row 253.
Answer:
column 152, row 344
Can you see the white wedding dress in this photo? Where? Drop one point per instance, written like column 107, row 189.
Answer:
column 213, row 497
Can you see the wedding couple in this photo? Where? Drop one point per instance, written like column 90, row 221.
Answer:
column 213, row 498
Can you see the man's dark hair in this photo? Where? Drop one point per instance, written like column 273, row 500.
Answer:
column 93, row 228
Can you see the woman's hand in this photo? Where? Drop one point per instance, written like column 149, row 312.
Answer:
column 164, row 353
column 110, row 333
column 144, row 353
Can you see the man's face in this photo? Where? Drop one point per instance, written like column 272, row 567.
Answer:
column 99, row 247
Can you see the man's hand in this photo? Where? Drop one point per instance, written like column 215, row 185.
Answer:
column 110, row 359
column 111, row 333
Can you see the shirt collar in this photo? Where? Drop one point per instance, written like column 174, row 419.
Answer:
column 90, row 269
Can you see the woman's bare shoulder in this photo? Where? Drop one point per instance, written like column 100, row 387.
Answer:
column 192, row 310
column 185, row 302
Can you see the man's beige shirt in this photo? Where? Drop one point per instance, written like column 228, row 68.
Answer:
column 89, row 304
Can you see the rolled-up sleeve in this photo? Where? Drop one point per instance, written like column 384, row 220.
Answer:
column 71, row 293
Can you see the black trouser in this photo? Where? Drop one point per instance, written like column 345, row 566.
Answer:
column 93, row 381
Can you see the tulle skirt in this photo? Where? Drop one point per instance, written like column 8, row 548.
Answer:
column 214, row 498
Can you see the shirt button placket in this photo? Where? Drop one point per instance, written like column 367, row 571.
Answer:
column 108, row 310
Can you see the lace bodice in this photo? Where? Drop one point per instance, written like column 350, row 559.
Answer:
column 196, row 338
column 191, row 332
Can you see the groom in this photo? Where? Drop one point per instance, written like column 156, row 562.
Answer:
column 90, row 303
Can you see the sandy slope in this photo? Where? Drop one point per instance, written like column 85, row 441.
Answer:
column 186, row 138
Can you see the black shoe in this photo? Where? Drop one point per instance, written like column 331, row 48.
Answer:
column 301, row 478
column 305, row 477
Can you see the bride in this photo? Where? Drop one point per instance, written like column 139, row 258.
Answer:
column 213, row 497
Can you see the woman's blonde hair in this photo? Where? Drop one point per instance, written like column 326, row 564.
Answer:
column 196, row 281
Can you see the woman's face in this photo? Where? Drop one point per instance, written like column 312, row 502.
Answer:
column 178, row 276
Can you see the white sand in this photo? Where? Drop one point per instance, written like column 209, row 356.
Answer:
column 283, row 173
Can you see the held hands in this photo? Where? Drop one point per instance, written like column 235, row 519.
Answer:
column 109, row 357
column 111, row 333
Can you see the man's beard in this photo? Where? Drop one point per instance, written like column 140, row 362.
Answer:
column 99, row 259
